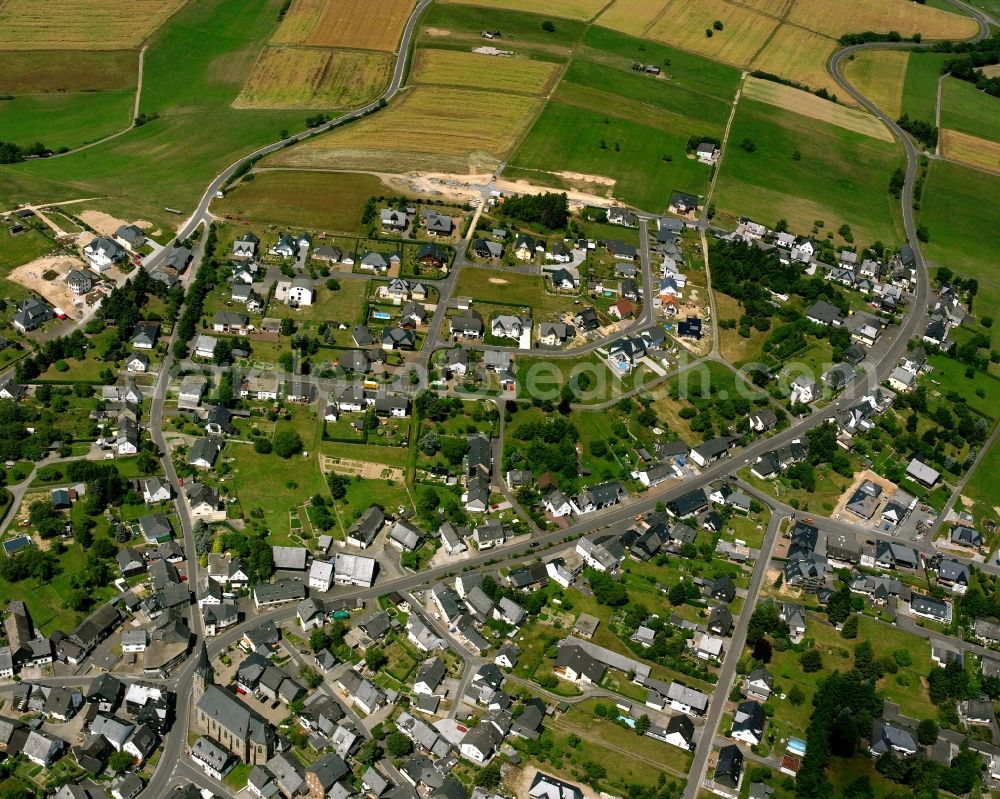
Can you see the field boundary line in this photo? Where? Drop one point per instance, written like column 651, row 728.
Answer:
column 937, row 112
column 657, row 18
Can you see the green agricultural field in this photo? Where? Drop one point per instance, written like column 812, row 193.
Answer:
column 65, row 120
column 632, row 156
column 834, row 168
column 194, row 69
column 461, row 26
column 966, row 109
column 320, row 201
column 686, row 108
column 959, row 209
column 680, row 69
column 920, row 85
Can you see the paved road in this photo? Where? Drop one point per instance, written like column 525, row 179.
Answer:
column 733, row 653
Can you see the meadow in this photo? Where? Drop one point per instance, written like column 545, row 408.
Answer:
column 319, row 201
column 880, row 76
column 833, row 168
column 959, row 209
column 920, row 86
column 680, row 69
column 63, row 119
column 967, row 110
column 510, row 288
column 34, row 71
column 982, row 491
column 306, row 77
column 476, row 71
column 81, row 24
column 461, row 26
column 629, row 153
column 349, row 23
column 424, row 128
column 194, row 69
column 684, row 105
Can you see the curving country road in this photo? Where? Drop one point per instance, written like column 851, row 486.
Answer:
column 201, row 213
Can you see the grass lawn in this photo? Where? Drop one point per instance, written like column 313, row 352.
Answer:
column 401, row 661
column 512, row 289
column 544, row 377
column 45, row 599
column 736, row 349
column 950, row 375
column 345, row 305
column 599, row 734
column 237, row 778
column 829, row 487
column 321, row 201
column 633, row 152
column 390, row 456
column 959, row 209
column 274, row 485
column 22, row 248
column 194, row 68
column 835, row 167
column 363, row 493
column 65, row 119
column 965, row 108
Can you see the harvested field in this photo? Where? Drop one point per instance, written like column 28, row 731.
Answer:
column 571, row 9
column 684, row 24
column 344, row 23
column 773, row 8
column 304, row 77
column 880, row 76
column 810, row 105
column 992, row 70
column 31, row 72
column 426, row 129
column 971, row 150
column 837, row 17
column 54, row 289
column 81, row 24
column 800, row 55
column 476, row 71
column 633, row 16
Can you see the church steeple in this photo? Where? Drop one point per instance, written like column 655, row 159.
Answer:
column 204, row 674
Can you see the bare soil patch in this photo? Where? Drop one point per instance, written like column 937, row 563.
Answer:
column 363, row 469
column 499, row 281
column 33, row 276
column 105, row 224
